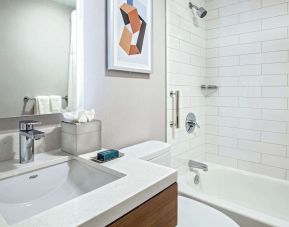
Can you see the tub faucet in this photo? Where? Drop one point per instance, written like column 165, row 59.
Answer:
column 197, row 165
column 193, row 165
column 27, row 136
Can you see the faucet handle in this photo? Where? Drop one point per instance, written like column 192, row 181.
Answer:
column 28, row 125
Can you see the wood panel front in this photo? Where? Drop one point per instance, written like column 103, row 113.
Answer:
column 159, row 211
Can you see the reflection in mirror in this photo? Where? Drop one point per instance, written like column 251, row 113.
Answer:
column 37, row 56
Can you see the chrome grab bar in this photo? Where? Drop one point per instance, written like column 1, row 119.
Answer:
column 176, row 117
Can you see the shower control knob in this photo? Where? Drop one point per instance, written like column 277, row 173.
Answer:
column 191, row 123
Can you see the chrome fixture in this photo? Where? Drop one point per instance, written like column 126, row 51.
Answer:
column 193, row 165
column 209, row 87
column 175, row 115
column 200, row 10
column 191, row 123
column 198, row 165
column 27, row 99
column 27, row 136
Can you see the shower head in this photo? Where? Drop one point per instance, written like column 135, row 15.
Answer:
column 200, row 10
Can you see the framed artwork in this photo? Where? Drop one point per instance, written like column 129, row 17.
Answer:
column 130, row 35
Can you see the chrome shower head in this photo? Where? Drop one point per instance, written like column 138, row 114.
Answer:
column 200, row 10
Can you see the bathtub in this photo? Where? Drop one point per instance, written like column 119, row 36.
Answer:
column 252, row 200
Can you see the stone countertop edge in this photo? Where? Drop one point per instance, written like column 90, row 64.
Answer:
column 141, row 181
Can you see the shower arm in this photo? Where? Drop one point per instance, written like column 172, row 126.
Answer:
column 192, row 6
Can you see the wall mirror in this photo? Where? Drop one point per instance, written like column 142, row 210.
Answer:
column 40, row 43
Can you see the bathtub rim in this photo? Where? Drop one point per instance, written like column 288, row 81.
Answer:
column 186, row 190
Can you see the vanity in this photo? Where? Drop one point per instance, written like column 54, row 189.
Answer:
column 58, row 189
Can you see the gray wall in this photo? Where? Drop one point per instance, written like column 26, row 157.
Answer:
column 131, row 106
column 34, row 52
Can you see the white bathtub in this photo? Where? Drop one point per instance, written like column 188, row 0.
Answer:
column 252, row 200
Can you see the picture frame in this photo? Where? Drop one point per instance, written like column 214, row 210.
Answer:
column 129, row 33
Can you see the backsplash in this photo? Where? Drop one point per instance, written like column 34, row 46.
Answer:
column 9, row 136
column 247, row 57
column 9, row 142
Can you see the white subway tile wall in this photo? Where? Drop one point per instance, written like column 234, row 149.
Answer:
column 247, row 56
column 243, row 47
column 186, row 61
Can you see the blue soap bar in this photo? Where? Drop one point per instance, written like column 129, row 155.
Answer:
column 105, row 156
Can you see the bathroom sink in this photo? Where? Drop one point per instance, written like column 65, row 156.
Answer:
column 26, row 195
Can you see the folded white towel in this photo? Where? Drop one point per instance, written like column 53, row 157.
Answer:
column 55, row 104
column 42, row 105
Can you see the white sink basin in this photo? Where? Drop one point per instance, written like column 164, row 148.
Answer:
column 26, row 195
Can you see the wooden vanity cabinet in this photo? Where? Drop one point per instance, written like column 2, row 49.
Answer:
column 159, row 211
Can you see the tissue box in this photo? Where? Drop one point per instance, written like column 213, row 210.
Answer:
column 81, row 138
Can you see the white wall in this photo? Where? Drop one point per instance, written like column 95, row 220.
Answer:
column 247, row 56
column 186, row 73
column 131, row 106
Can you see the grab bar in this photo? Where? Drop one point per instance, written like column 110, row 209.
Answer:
column 176, row 117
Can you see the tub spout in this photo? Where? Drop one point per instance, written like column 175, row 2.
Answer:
column 197, row 165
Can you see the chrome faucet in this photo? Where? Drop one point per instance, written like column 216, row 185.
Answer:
column 197, row 165
column 27, row 136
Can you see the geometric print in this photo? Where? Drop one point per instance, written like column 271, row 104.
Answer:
column 134, row 27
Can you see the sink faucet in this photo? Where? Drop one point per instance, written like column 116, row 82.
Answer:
column 197, row 165
column 27, row 136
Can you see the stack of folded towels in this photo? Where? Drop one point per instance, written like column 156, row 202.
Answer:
column 48, row 104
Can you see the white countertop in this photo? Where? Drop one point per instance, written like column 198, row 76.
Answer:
column 100, row 207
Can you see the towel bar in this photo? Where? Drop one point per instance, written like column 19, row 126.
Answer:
column 27, row 99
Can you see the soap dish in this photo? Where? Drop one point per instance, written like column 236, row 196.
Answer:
column 94, row 159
